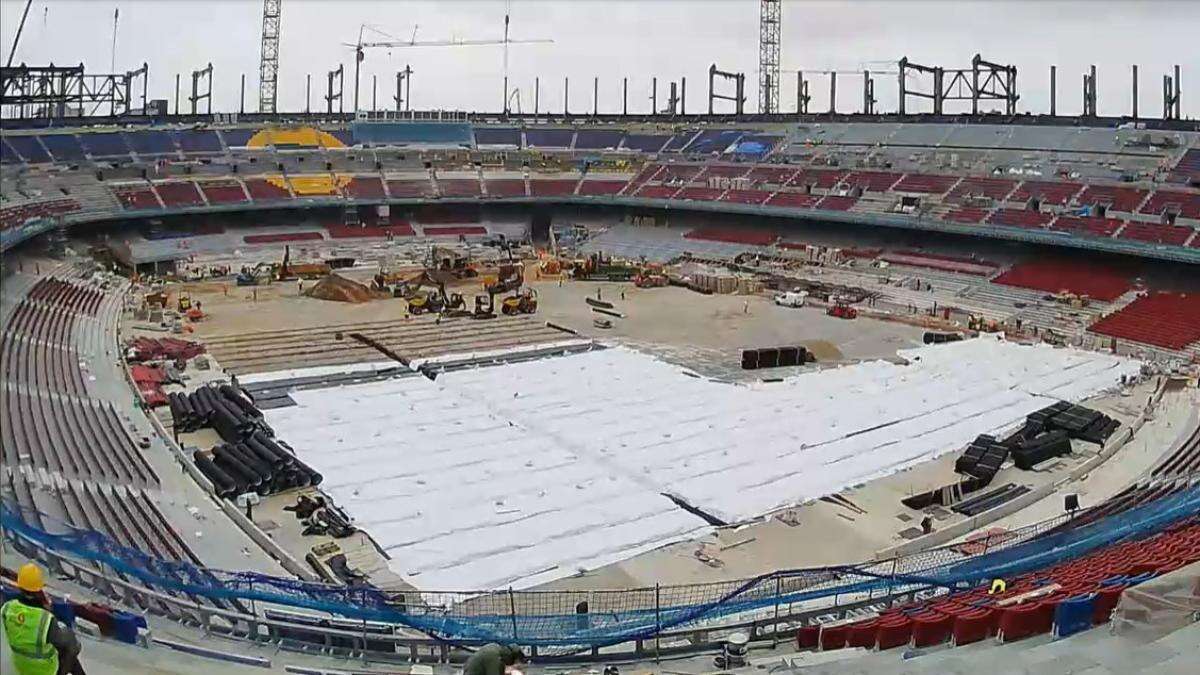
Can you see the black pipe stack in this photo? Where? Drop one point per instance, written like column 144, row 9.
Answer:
column 255, row 464
column 222, row 408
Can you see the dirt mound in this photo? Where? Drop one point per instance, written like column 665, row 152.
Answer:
column 340, row 289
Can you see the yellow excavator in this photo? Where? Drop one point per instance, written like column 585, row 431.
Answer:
column 522, row 302
column 434, row 301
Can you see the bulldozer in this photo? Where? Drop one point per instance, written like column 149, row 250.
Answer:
column 523, row 302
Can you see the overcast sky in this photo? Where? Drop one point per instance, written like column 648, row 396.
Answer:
column 611, row 39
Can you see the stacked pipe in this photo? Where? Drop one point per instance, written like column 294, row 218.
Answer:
column 254, row 464
column 220, row 407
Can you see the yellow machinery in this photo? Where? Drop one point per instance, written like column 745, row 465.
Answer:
column 184, row 302
column 524, row 302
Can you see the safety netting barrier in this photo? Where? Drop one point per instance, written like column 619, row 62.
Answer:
column 557, row 618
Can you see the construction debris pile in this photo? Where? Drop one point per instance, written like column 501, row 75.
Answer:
column 340, row 289
column 143, row 349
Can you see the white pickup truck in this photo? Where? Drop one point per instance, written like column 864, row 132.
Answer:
column 791, row 298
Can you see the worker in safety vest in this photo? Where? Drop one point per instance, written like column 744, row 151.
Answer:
column 493, row 659
column 40, row 644
column 998, row 586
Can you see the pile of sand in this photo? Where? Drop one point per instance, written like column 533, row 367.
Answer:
column 340, row 289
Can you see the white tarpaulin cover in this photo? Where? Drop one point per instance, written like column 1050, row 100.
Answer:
column 518, row 474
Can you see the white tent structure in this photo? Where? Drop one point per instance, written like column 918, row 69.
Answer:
column 522, row 473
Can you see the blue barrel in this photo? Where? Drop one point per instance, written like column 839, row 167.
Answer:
column 64, row 611
column 1074, row 614
column 125, row 626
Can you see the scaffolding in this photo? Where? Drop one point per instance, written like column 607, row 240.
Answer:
column 67, row 91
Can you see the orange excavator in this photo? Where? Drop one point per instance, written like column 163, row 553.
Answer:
column 842, row 310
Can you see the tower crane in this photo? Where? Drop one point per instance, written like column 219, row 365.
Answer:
column 361, row 46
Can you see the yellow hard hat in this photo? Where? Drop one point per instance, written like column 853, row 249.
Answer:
column 29, row 578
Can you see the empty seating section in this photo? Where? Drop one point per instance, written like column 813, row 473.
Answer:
column 1167, row 320
column 459, row 187
column 151, row 143
column 601, row 187
column 104, row 144
column 198, row 142
column 722, row 171
column 223, row 192
column 925, row 184
column 1124, row 199
column 282, row 237
column 837, row 203
column 1100, row 227
column 771, row 175
column 15, row 216
column 1031, row 603
column 343, row 136
column 1020, row 218
column 1186, row 204
column 995, row 189
column 395, row 229
column 400, row 189
column 1048, row 192
column 505, row 137
column 678, row 141
column 63, row 147
column 598, row 139
column 732, row 235
column 745, row 196
column 266, row 191
column 1155, row 233
column 29, row 148
column 793, row 200
column 967, row 215
column 365, row 187
column 7, row 154
column 136, row 198
column 871, row 181
column 678, row 174
column 1188, row 168
column 656, row 192
column 552, row 188
column 453, row 230
column 549, row 138
column 645, row 142
column 824, row 179
column 1082, row 278
column 237, row 138
column 699, row 194
column 712, row 141
column 47, row 419
column 181, row 193
column 506, row 187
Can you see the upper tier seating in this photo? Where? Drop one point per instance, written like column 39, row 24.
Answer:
column 7, row 154
column 837, row 202
column 700, row 194
column 365, row 187
column 601, row 187
column 549, row 138
column 552, row 187
column 1123, row 199
column 504, row 187
column 672, row 173
column 824, row 179
column 1188, row 169
column 995, row 189
column 925, row 184
column 181, row 193
column 1049, row 192
column 656, row 192
column 746, row 196
column 266, row 191
column 492, row 136
column 151, row 143
column 1159, row 234
column 771, row 175
column 459, row 187
column 793, row 200
column 1100, row 227
column 1020, row 218
column 645, row 142
column 63, row 147
column 722, row 171
column 223, row 192
column 967, row 215
column 1186, row 204
column 104, row 144
column 15, row 216
column 872, row 181
column 712, row 141
column 1072, row 276
column 678, row 141
column 198, row 142
column 237, row 138
column 401, row 189
column 1168, row 320
column 732, row 235
column 29, row 148
column 137, row 198
column 598, row 139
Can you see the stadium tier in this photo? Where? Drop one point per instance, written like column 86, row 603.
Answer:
column 1169, row 320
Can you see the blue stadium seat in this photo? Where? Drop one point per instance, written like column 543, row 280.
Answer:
column 151, row 142
column 7, row 154
column 28, row 148
column 343, row 135
column 678, row 141
column 491, row 136
column 63, row 147
column 196, row 142
column 549, row 138
column 645, row 142
column 237, row 138
column 713, row 140
column 403, row 133
column 104, row 144
column 598, row 139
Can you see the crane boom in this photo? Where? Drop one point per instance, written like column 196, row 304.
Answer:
column 447, row 43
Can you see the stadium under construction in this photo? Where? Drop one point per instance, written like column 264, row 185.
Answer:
column 674, row 391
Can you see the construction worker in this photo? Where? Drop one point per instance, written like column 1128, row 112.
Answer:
column 998, row 586
column 493, row 659
column 40, row 644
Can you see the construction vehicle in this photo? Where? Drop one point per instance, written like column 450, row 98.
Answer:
column 435, row 300
column 842, row 310
column 650, row 276
column 979, row 323
column 287, row 271
column 253, row 276
column 791, row 298
column 524, row 302
column 184, row 301
column 449, row 261
column 598, row 267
